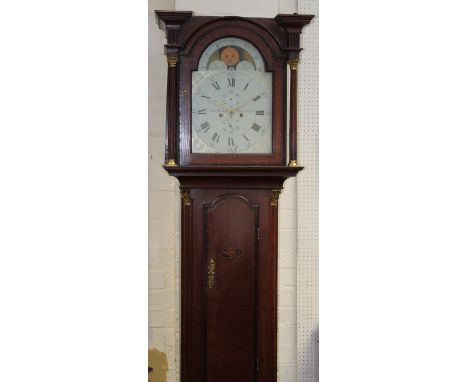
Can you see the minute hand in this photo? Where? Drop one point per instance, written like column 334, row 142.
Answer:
column 245, row 103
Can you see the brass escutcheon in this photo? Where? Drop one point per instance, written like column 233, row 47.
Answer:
column 211, row 273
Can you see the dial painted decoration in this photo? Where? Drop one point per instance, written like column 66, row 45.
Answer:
column 231, row 100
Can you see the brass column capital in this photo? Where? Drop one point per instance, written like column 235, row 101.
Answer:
column 186, row 198
column 274, row 197
column 172, row 61
column 293, row 63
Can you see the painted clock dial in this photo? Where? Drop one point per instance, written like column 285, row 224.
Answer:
column 231, row 100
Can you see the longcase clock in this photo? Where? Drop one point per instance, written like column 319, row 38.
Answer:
column 226, row 142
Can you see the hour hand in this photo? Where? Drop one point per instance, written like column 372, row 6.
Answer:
column 221, row 105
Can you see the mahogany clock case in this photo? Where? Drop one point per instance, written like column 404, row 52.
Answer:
column 229, row 214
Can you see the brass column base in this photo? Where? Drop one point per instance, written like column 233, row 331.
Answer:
column 171, row 162
column 292, row 163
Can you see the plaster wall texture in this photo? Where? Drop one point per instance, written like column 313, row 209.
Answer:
column 164, row 206
column 162, row 219
column 307, row 196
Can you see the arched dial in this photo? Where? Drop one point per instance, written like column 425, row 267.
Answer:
column 231, row 100
column 231, row 113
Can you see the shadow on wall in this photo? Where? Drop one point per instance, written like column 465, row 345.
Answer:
column 157, row 366
column 309, row 368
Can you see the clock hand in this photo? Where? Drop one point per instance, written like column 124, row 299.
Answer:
column 221, row 105
column 243, row 104
column 217, row 103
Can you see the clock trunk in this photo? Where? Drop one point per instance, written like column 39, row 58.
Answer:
column 229, row 283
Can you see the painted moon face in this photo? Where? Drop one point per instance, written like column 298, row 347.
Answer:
column 230, row 56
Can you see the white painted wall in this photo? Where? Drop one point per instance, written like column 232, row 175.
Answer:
column 257, row 8
column 164, row 206
column 307, row 253
column 163, row 295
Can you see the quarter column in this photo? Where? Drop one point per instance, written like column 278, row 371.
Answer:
column 293, row 25
column 293, row 63
column 171, row 110
column 171, row 23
